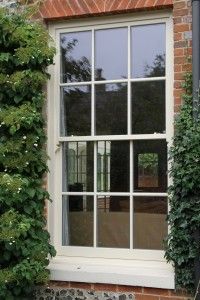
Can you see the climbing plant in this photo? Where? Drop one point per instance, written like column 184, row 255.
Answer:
column 184, row 193
column 24, row 243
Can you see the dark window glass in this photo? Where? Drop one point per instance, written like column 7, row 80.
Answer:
column 78, row 166
column 113, row 166
column 150, row 166
column 76, row 49
column 148, row 107
column 111, row 49
column 76, row 111
column 150, row 225
column 148, row 50
column 111, row 109
column 78, row 219
column 113, row 221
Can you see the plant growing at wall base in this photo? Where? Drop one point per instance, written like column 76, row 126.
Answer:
column 184, row 194
column 24, row 243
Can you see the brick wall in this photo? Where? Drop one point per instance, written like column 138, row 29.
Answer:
column 182, row 45
column 107, row 292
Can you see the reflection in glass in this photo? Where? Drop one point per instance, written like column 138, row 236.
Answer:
column 113, row 166
column 148, row 107
column 113, row 221
column 76, row 110
column 78, row 219
column 111, row 109
column 78, row 166
column 76, row 49
column 150, row 166
column 111, row 50
column 148, row 50
column 150, row 225
column 147, row 170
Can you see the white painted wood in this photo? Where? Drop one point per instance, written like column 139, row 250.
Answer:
column 135, row 273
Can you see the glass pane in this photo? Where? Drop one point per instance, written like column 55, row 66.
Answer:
column 78, row 164
column 113, row 221
column 76, row 50
column 113, row 166
column 150, row 166
column 111, row 52
column 148, row 50
column 148, row 107
column 78, row 219
column 76, row 110
column 150, row 225
column 111, row 109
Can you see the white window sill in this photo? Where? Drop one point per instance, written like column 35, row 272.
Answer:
column 111, row 271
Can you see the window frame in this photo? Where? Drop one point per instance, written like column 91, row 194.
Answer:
column 54, row 140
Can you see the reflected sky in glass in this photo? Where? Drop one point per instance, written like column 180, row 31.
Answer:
column 76, row 51
column 148, row 50
column 111, row 49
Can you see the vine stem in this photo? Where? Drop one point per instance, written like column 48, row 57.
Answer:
column 197, row 291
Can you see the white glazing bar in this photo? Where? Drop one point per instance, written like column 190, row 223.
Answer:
column 75, row 83
column 112, row 194
column 115, row 194
column 95, row 195
column 65, row 84
column 129, row 83
column 93, row 96
column 131, row 197
column 78, row 193
column 156, row 136
column 148, row 79
column 150, row 194
column 142, row 194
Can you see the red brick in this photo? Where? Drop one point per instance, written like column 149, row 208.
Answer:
column 105, row 287
column 178, row 36
column 179, row 5
column 178, row 52
column 146, row 297
column 178, row 76
column 181, row 12
column 181, row 27
column 130, row 289
column 180, row 59
column 155, row 291
column 80, row 285
column 172, row 298
column 64, row 284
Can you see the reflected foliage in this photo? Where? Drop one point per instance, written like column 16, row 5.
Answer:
column 73, row 69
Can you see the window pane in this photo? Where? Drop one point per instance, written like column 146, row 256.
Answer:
column 150, row 225
column 78, row 218
column 76, row 111
column 76, row 49
column 111, row 49
column 113, row 166
column 148, row 107
column 78, row 158
column 111, row 109
column 113, row 221
column 150, row 166
column 148, row 50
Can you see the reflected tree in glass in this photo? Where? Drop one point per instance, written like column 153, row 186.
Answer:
column 76, row 56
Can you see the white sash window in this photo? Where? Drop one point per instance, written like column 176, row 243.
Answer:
column 110, row 123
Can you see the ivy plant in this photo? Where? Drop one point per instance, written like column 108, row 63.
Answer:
column 184, row 193
column 26, row 52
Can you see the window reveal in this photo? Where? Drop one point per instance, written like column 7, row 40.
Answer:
column 112, row 90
